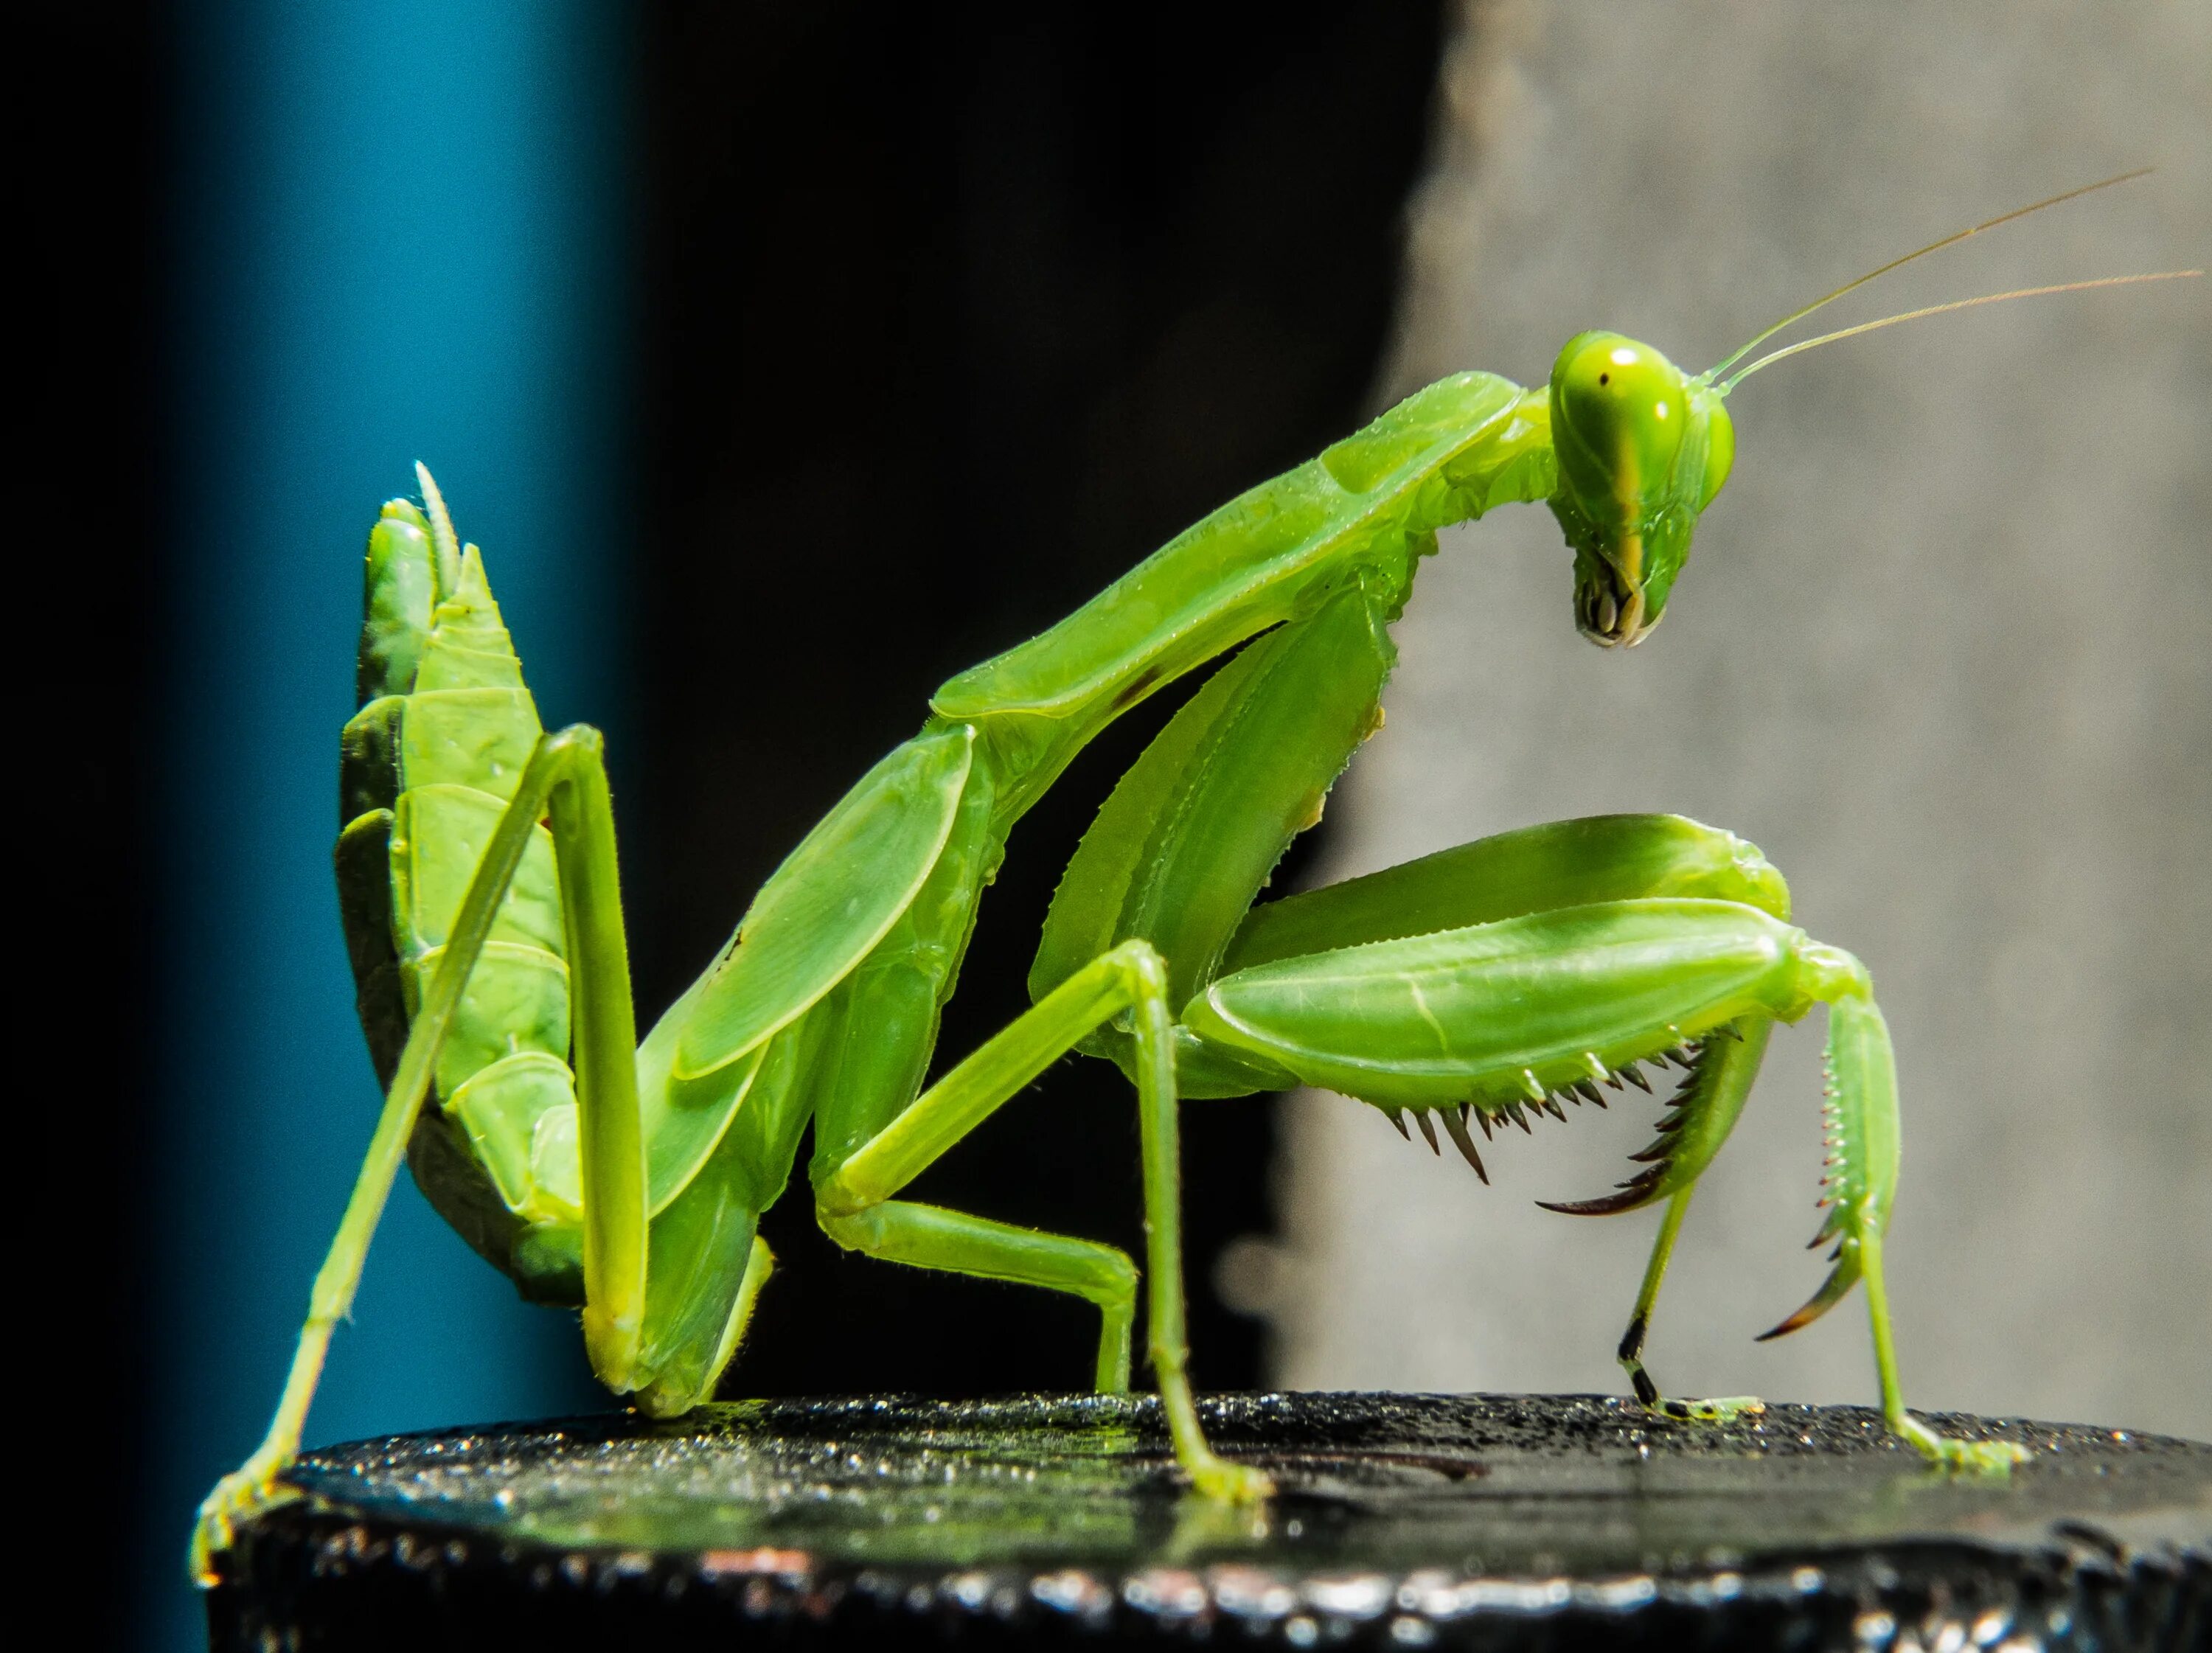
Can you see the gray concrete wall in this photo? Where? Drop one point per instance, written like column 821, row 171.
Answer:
column 1942, row 651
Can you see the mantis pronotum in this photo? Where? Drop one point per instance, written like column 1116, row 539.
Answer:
column 477, row 873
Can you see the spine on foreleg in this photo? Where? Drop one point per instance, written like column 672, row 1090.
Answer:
column 1863, row 1144
column 427, row 764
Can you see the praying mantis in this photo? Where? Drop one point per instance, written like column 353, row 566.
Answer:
column 480, row 897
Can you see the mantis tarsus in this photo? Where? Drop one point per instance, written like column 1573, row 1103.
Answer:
column 478, row 876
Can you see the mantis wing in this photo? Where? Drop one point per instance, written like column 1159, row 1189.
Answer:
column 1198, row 823
column 833, row 899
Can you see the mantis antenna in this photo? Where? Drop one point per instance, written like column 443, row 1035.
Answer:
column 1730, row 384
column 1753, row 343
column 1941, row 308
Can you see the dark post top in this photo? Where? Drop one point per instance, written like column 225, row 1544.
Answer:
column 1404, row 1521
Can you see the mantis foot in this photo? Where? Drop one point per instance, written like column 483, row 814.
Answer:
column 1974, row 1457
column 1723, row 1409
column 1230, row 1483
column 1720, row 1410
column 248, row 1491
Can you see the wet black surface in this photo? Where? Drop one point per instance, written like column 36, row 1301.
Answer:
column 1404, row 1521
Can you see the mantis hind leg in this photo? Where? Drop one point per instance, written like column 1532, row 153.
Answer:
column 930, row 1237
column 566, row 776
column 855, row 1205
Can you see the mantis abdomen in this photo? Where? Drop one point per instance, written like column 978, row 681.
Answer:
column 445, row 729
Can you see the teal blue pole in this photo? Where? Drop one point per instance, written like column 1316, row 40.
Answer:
column 399, row 235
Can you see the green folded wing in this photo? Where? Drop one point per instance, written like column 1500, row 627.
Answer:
column 830, row 903
column 1199, row 823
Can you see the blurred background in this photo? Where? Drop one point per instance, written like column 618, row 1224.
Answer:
column 1944, row 652
column 787, row 358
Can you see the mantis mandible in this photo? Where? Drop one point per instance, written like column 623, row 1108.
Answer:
column 478, row 885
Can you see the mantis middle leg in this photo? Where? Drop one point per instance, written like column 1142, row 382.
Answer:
column 855, row 1203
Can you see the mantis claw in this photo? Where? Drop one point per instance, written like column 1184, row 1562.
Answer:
column 247, row 1492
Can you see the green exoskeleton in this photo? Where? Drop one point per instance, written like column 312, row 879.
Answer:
column 476, row 868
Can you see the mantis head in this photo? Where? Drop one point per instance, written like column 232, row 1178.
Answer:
column 1642, row 450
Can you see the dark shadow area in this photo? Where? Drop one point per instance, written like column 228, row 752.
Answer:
column 86, row 586
column 947, row 323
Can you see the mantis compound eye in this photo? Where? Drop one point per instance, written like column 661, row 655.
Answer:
column 1720, row 442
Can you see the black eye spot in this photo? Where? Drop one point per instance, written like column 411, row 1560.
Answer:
column 1605, row 379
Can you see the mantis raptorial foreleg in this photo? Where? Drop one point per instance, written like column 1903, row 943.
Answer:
column 856, row 1207
column 1561, row 865
column 1503, row 1017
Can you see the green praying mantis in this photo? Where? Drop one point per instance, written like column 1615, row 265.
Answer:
column 478, row 875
